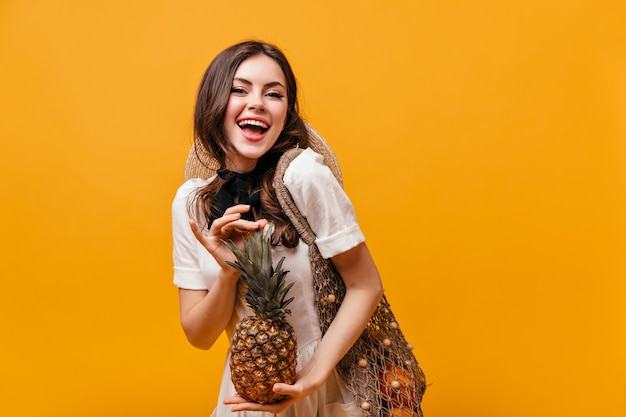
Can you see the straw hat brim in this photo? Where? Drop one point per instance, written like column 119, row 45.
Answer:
column 201, row 164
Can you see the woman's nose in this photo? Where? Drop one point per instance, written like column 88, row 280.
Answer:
column 256, row 103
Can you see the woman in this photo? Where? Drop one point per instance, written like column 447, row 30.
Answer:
column 246, row 117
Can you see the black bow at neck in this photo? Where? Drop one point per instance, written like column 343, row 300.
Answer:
column 241, row 188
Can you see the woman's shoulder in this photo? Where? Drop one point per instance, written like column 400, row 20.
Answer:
column 187, row 191
column 308, row 156
column 308, row 165
column 190, row 186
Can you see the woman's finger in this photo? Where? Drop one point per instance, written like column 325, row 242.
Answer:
column 239, row 208
column 240, row 404
column 286, row 389
column 196, row 230
column 218, row 226
column 241, row 226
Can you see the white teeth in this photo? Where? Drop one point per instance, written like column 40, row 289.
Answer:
column 258, row 123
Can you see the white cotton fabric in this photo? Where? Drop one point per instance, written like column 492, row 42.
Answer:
column 330, row 213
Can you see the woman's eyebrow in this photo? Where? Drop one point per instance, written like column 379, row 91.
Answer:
column 242, row 80
column 270, row 84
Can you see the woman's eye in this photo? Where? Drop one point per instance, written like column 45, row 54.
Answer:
column 275, row 95
column 237, row 90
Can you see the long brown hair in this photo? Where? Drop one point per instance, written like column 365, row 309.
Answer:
column 213, row 95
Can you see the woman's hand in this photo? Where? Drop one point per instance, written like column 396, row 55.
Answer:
column 241, row 404
column 293, row 392
column 205, row 314
column 228, row 227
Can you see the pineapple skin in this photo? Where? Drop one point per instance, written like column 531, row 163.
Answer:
column 263, row 352
column 264, row 345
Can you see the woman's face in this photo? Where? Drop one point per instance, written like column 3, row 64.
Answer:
column 256, row 111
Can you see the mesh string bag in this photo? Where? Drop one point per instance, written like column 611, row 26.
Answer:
column 380, row 369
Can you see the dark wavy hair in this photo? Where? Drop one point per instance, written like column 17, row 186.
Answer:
column 211, row 102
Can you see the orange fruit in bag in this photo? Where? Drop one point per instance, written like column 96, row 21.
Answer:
column 399, row 412
column 397, row 387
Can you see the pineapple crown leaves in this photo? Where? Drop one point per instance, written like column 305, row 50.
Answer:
column 266, row 287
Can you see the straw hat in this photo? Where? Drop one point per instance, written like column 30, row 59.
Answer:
column 200, row 164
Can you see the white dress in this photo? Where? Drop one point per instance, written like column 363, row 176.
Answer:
column 321, row 199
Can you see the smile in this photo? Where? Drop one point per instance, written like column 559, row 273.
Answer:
column 255, row 124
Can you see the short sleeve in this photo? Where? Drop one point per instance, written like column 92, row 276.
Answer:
column 187, row 251
column 321, row 199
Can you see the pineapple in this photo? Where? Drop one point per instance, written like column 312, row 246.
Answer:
column 263, row 350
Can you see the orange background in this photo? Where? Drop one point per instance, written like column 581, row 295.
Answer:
column 482, row 143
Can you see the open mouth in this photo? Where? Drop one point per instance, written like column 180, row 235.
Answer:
column 253, row 127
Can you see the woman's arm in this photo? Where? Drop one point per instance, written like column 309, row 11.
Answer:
column 204, row 314
column 363, row 293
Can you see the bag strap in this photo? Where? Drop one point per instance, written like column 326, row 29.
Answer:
column 327, row 283
column 286, row 201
